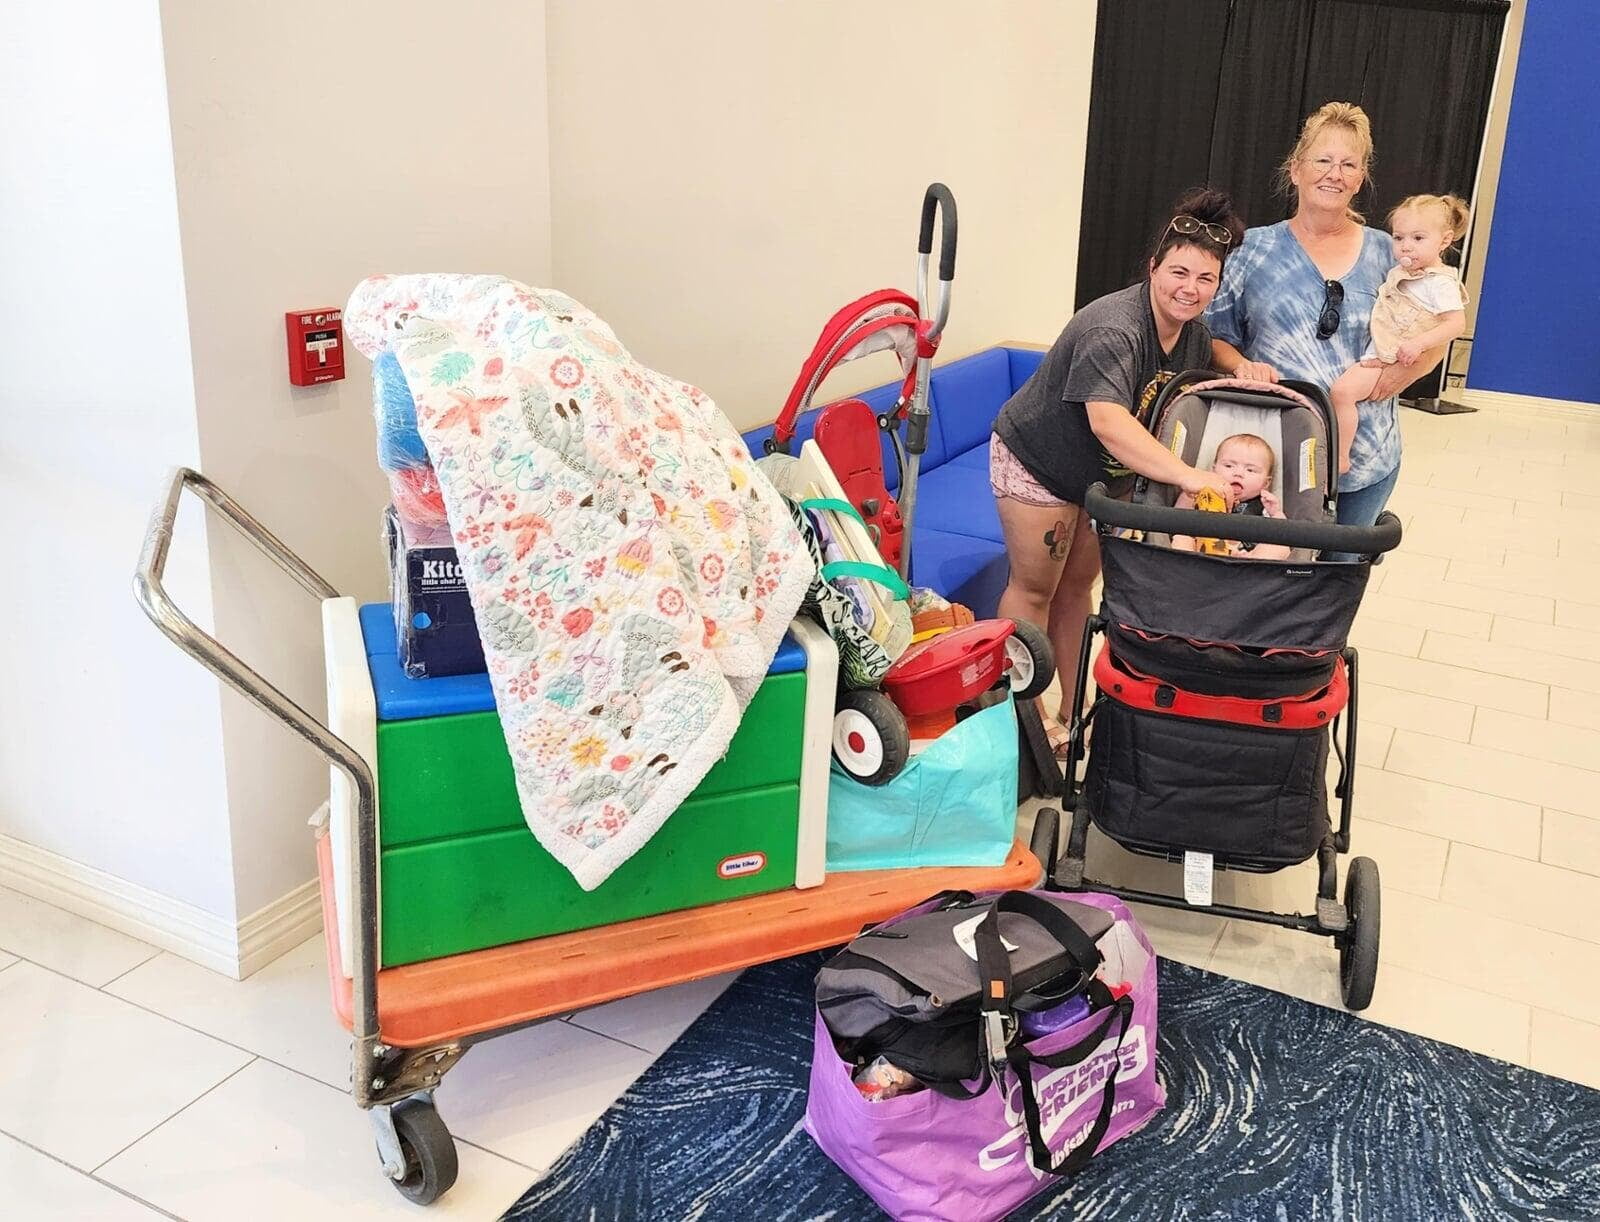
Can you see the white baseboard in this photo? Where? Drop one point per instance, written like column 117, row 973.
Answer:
column 1500, row 398
column 279, row 927
column 192, row 933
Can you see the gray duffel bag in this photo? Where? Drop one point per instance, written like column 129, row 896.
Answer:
column 934, row 990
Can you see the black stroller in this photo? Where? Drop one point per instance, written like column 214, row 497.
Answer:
column 1222, row 679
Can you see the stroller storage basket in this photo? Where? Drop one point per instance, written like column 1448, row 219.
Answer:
column 1254, row 797
column 1174, row 770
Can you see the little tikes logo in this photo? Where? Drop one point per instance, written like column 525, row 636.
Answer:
column 1061, row 1093
column 743, row 864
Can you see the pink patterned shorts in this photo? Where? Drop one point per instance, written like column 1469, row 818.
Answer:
column 1009, row 478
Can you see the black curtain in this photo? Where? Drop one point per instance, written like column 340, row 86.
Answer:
column 1194, row 91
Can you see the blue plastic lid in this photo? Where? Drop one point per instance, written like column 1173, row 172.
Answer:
column 402, row 698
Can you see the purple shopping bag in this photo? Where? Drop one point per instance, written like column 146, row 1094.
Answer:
column 928, row 1157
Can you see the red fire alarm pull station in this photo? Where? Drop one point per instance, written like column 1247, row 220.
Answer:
column 316, row 346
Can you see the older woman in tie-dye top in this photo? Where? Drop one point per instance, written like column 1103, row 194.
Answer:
column 1297, row 296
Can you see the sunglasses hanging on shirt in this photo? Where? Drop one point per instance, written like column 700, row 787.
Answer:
column 1332, row 299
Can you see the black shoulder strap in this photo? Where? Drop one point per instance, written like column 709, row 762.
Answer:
column 1120, row 1013
column 1056, row 923
column 997, row 1022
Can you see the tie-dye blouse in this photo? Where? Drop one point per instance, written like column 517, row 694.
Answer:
column 1267, row 308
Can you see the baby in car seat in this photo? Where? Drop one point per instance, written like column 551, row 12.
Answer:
column 1244, row 466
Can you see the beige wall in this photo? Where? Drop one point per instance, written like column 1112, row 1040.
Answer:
column 316, row 144
column 719, row 179
column 724, row 175
column 110, row 742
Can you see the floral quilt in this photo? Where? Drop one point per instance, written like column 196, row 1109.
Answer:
column 631, row 571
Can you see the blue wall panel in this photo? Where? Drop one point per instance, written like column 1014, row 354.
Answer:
column 1536, row 322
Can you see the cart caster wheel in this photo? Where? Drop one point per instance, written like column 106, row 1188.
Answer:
column 1033, row 662
column 1046, row 840
column 429, row 1152
column 870, row 739
column 1358, row 945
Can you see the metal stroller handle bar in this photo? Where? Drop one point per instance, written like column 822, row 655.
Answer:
column 1384, row 536
column 940, row 199
column 152, row 597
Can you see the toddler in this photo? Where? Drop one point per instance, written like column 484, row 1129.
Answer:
column 1420, row 309
column 1245, row 464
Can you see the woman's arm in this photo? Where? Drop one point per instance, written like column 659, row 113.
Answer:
column 1225, row 358
column 1131, row 444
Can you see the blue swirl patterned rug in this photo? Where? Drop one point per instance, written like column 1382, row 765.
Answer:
column 1276, row 1109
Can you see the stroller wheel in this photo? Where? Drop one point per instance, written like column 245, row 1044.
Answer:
column 1358, row 945
column 1033, row 662
column 870, row 739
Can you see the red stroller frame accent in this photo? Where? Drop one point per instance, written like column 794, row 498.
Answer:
column 847, row 431
column 1116, row 677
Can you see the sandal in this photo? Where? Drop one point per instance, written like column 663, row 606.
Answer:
column 1059, row 736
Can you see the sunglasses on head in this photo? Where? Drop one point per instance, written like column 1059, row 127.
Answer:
column 1332, row 299
column 1190, row 225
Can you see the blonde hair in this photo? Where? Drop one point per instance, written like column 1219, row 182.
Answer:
column 1252, row 439
column 1345, row 116
column 1456, row 212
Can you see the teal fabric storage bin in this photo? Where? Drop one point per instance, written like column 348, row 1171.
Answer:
column 954, row 805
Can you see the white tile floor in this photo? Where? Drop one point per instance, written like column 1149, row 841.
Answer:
column 149, row 1087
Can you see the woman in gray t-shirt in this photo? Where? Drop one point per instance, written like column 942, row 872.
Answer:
column 1075, row 421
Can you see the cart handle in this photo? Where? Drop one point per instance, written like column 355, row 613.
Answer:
column 237, row 674
column 1383, row 536
column 938, row 198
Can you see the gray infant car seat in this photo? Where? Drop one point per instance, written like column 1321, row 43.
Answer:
column 1197, row 411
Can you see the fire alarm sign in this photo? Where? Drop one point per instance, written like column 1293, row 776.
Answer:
column 316, row 346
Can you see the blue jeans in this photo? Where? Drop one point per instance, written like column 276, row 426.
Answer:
column 1362, row 507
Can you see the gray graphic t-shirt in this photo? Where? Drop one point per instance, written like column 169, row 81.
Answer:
column 1108, row 353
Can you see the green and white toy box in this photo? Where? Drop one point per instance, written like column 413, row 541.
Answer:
column 458, row 868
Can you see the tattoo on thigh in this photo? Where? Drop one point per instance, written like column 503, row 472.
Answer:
column 1058, row 538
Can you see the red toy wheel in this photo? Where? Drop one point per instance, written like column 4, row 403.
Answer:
column 870, row 739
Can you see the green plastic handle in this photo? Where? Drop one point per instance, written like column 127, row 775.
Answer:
column 879, row 573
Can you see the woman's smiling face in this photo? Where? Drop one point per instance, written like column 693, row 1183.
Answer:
column 1329, row 175
column 1183, row 283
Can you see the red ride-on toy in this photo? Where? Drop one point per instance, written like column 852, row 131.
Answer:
column 930, row 687
column 937, row 677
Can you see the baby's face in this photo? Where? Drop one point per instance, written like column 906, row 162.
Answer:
column 1245, row 467
column 1420, row 239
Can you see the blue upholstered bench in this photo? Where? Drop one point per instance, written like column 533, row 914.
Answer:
column 957, row 547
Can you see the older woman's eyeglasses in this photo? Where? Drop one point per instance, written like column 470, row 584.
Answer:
column 1332, row 299
column 1189, row 225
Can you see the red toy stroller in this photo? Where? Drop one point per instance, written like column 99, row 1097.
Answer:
column 952, row 661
